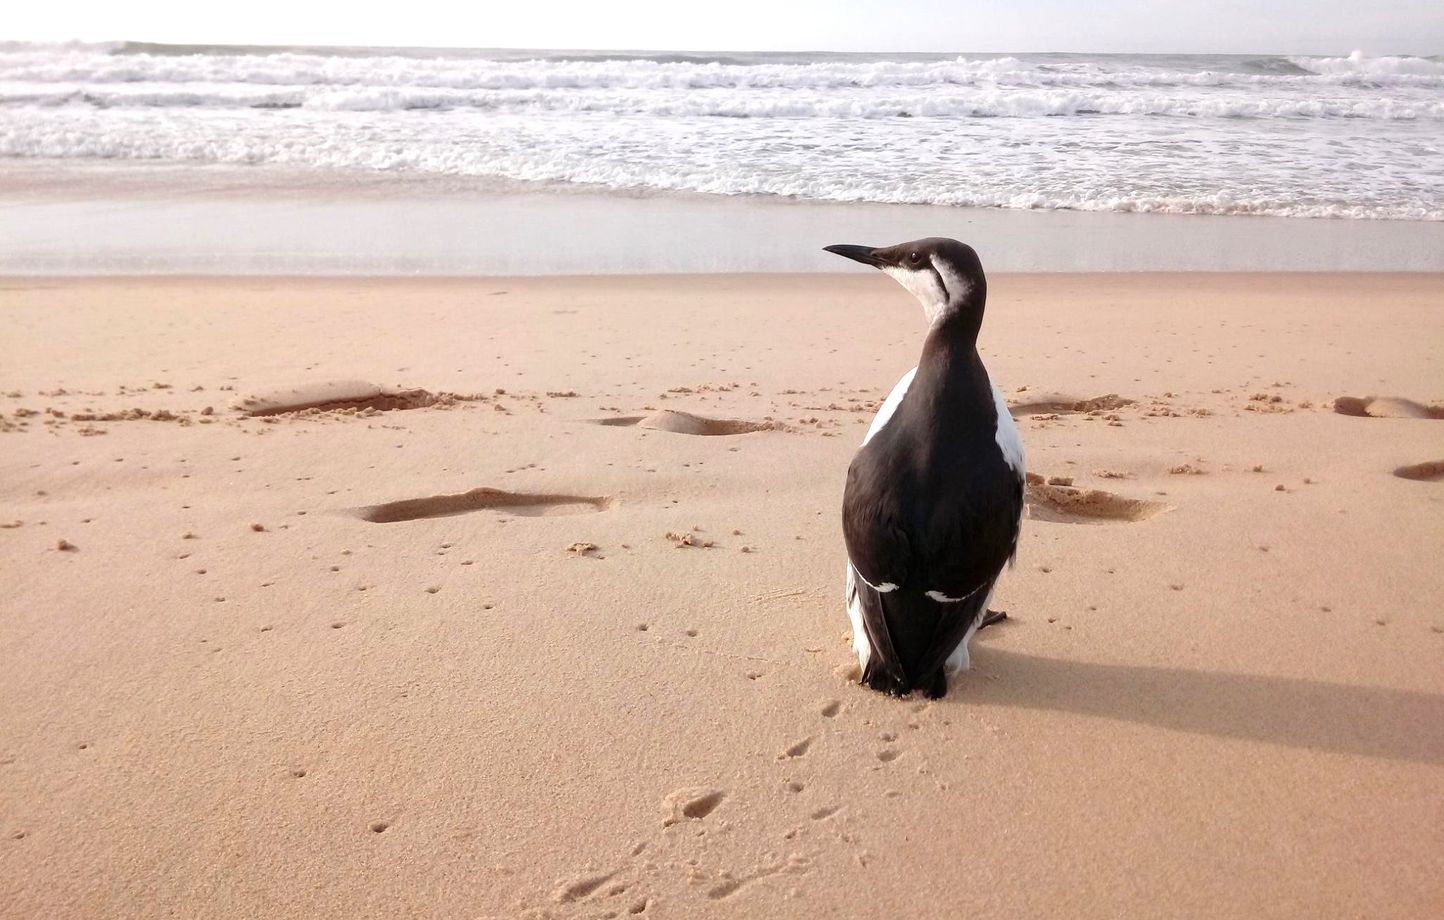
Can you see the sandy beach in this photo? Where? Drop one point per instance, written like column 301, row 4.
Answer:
column 536, row 610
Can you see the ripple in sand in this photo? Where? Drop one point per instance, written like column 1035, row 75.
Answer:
column 687, row 423
column 525, row 504
column 341, row 395
column 1061, row 405
column 1385, row 407
column 1430, row 471
column 1069, row 505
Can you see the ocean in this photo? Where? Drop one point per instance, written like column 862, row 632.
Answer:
column 1349, row 137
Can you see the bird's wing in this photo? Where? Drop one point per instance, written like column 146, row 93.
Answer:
column 962, row 559
column 955, row 618
column 962, row 565
column 882, row 669
column 880, row 554
column 874, row 526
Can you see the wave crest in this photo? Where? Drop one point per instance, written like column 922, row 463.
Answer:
column 96, row 64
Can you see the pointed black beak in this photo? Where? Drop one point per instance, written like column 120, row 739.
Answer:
column 864, row 254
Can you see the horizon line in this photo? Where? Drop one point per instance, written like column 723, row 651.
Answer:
column 678, row 51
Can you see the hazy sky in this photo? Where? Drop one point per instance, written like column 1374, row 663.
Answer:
column 1250, row 26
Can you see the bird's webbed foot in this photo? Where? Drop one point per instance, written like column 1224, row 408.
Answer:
column 992, row 616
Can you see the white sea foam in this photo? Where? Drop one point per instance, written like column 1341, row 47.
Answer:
column 950, row 102
column 88, row 65
column 1385, row 69
column 1347, row 136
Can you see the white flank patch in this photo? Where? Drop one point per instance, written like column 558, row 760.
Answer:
column 860, row 645
column 1009, row 442
column 889, row 406
column 923, row 285
column 854, row 612
column 959, row 660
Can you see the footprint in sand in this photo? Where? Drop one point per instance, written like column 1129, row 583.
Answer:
column 1385, row 407
column 1062, row 405
column 1069, row 505
column 1431, row 471
column 687, row 423
column 797, row 749
column 692, row 804
column 524, row 504
column 604, row 885
column 576, row 890
column 796, row 864
column 341, row 395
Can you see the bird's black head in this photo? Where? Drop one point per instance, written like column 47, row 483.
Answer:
column 944, row 275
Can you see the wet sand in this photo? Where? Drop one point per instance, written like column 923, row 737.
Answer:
column 70, row 218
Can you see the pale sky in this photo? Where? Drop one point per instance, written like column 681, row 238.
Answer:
column 1245, row 26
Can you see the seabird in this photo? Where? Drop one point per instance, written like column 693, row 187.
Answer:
column 934, row 498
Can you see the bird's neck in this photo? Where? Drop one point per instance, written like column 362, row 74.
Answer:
column 959, row 320
column 950, row 351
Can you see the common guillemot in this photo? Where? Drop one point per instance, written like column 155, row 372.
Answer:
column 934, row 499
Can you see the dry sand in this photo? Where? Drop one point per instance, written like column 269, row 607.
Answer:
column 545, row 620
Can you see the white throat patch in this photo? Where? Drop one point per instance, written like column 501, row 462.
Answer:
column 923, row 284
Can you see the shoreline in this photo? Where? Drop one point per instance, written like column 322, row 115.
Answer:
column 69, row 219
column 21, row 281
